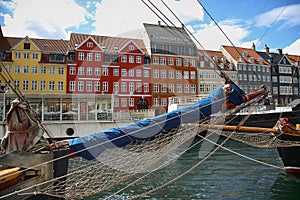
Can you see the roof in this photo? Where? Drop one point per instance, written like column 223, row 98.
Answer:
column 219, row 58
column 52, row 46
column 168, row 34
column 111, row 44
column 293, row 58
column 6, row 43
column 250, row 56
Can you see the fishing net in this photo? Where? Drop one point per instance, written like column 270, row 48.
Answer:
column 86, row 178
column 261, row 140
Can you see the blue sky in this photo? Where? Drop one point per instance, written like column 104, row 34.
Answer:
column 272, row 22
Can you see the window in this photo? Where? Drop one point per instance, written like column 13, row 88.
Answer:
column 116, row 87
column 72, row 70
column 163, row 87
column 131, row 102
column 80, row 56
column 34, row 69
column 52, row 70
column 138, row 73
column 124, row 72
column 123, row 102
column 155, row 60
column 43, row 85
column 89, row 56
column 138, row 87
column 131, row 59
column 51, row 85
column 97, row 57
column 186, row 63
column 138, row 59
column 171, row 74
column 80, row 70
column 97, row 86
column 17, row 69
column 178, row 74
column 155, row 87
column 146, row 87
column 60, row 70
column 131, row 47
column 193, row 88
column 105, row 71
column 60, row 86
column 17, row 55
column 178, row 61
column 193, row 75
column 163, row 73
column 201, row 88
column 26, row 56
column 43, row 69
column 186, row 88
column 89, row 44
column 35, row 56
column 26, row 69
column 34, row 85
column 89, row 86
column 171, row 61
column 171, row 88
column 179, row 88
column 162, row 60
column 155, row 73
column 116, row 102
column 156, row 101
column 97, row 71
column 80, row 85
column 186, row 75
column 192, row 63
column 124, row 87
column 163, row 102
column 123, row 58
column 131, row 73
column 146, row 73
column 25, row 85
column 72, row 86
column 116, row 72
column 26, row 45
column 131, row 87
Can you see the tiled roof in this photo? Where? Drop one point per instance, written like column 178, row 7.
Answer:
column 219, row 58
column 111, row 44
column 250, row 56
column 52, row 46
column 6, row 43
column 293, row 58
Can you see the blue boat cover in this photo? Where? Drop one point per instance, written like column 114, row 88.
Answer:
column 91, row 146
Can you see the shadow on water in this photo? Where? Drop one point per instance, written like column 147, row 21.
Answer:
column 223, row 176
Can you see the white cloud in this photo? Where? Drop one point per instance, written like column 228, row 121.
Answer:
column 46, row 19
column 115, row 17
column 289, row 15
column 211, row 37
column 293, row 49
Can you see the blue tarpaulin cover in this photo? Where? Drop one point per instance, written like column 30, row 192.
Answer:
column 91, row 146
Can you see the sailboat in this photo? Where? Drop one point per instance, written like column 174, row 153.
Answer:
column 109, row 157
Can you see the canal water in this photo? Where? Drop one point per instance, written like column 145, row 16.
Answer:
column 224, row 175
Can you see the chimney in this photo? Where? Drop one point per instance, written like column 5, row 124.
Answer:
column 253, row 46
column 267, row 49
column 279, row 51
column 159, row 23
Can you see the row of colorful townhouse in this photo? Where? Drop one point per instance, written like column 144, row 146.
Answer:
column 141, row 74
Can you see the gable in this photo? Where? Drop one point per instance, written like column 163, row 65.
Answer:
column 89, row 44
column 26, row 45
column 284, row 61
column 131, row 47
